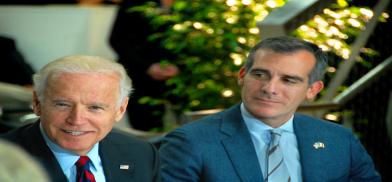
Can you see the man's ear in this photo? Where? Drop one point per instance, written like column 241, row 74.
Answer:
column 241, row 75
column 36, row 104
column 121, row 110
column 314, row 89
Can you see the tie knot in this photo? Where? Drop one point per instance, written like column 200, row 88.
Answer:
column 83, row 173
column 276, row 131
column 275, row 135
column 83, row 161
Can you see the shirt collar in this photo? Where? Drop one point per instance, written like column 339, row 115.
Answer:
column 66, row 158
column 258, row 126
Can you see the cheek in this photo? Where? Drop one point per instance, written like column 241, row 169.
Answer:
column 103, row 122
column 296, row 95
column 104, row 127
column 51, row 123
column 250, row 86
column 247, row 91
column 53, row 117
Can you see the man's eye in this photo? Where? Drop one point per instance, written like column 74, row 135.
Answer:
column 261, row 75
column 95, row 108
column 62, row 105
column 290, row 80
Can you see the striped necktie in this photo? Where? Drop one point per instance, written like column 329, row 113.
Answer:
column 277, row 169
column 83, row 173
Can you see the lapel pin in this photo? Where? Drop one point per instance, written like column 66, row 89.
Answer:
column 318, row 145
column 124, row 167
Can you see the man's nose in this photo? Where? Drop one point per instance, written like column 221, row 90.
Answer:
column 270, row 86
column 76, row 116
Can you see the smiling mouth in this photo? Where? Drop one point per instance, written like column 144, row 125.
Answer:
column 75, row 133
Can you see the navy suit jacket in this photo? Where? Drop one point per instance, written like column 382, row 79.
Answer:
column 219, row 148
column 116, row 149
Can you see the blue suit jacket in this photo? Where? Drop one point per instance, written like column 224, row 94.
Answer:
column 218, row 148
column 115, row 149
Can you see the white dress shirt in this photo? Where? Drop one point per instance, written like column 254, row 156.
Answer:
column 288, row 143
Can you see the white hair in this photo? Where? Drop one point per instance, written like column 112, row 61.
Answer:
column 82, row 64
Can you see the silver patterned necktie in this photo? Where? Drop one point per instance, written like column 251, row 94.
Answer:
column 277, row 169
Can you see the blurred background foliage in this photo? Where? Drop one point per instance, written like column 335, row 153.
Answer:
column 210, row 40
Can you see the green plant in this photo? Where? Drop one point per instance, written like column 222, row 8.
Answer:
column 211, row 38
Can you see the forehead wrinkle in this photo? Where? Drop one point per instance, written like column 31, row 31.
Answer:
column 54, row 91
column 265, row 58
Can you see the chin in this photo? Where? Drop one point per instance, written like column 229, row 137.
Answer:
column 75, row 149
column 262, row 114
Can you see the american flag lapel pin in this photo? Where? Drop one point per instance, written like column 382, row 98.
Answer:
column 124, row 166
column 319, row 145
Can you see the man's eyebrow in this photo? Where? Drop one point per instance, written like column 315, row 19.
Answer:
column 258, row 69
column 293, row 77
column 99, row 104
column 58, row 100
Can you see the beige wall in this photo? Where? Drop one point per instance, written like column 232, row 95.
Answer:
column 44, row 33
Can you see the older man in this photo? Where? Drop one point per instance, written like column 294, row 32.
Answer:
column 79, row 99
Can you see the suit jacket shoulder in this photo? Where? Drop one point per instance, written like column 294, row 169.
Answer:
column 126, row 158
column 332, row 148
column 123, row 156
column 211, row 149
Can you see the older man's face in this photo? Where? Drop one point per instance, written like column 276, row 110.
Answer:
column 79, row 109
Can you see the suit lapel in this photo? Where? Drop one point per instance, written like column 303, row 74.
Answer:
column 35, row 144
column 311, row 158
column 239, row 146
column 115, row 165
